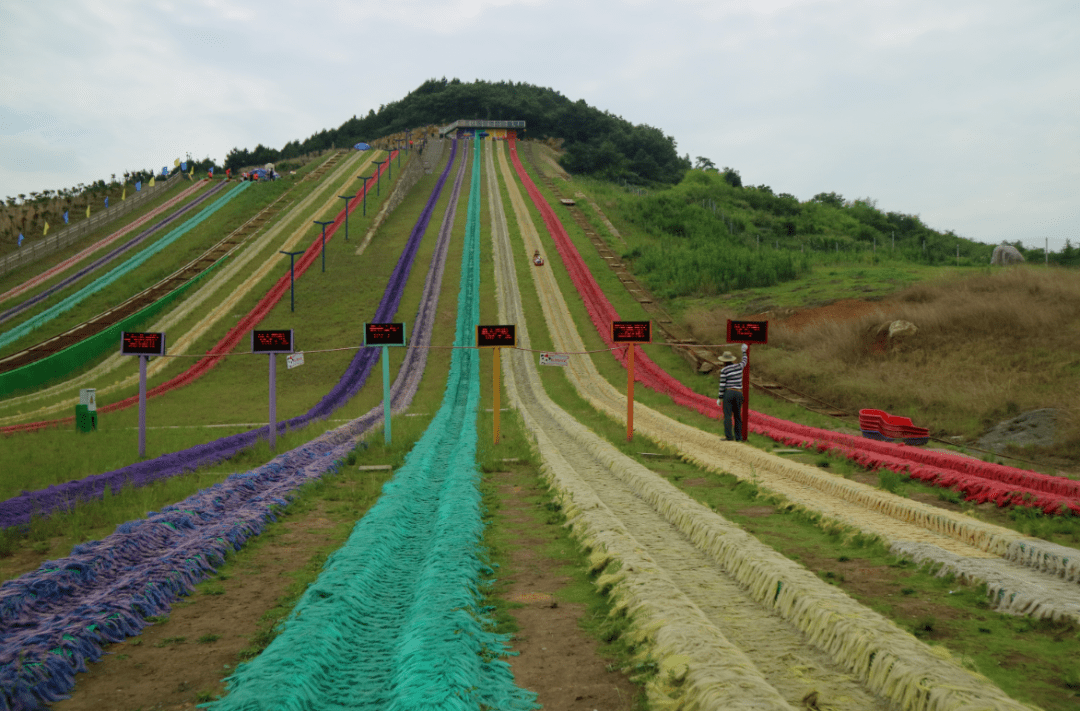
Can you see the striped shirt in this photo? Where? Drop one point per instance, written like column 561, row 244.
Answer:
column 731, row 376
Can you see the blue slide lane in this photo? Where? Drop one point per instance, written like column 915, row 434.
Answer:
column 129, row 265
column 394, row 622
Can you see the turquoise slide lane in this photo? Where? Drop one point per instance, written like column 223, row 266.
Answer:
column 394, row 622
column 129, row 265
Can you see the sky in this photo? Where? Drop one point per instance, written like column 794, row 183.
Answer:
column 966, row 113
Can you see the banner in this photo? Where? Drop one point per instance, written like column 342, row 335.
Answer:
column 88, row 210
column 183, row 167
column 106, row 201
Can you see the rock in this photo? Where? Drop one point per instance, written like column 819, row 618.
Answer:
column 902, row 329
column 1035, row 428
column 1005, row 255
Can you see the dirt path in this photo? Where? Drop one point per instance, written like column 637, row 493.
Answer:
column 736, row 624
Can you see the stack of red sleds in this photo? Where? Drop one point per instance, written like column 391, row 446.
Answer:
column 880, row 425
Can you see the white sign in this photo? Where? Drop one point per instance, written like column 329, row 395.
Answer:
column 559, row 359
column 294, row 359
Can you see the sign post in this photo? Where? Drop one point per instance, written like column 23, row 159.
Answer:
column 142, row 345
column 496, row 337
column 748, row 332
column 630, row 333
column 385, row 335
column 272, row 343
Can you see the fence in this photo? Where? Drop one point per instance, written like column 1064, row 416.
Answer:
column 72, row 233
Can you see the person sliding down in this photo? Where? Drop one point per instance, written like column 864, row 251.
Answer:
column 537, row 259
column 731, row 394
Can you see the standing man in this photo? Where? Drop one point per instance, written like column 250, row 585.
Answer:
column 731, row 394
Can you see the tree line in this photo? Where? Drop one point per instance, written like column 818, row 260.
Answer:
column 595, row 142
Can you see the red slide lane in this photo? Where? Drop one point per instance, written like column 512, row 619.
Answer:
column 104, row 242
column 979, row 481
column 226, row 344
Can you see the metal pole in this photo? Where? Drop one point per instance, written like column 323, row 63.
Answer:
column 292, row 280
column 390, row 164
column 386, row 393
column 496, row 405
column 346, row 198
column 365, row 178
column 378, row 176
column 630, row 394
column 142, row 406
column 273, row 402
column 324, row 223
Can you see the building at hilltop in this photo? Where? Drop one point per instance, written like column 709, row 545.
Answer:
column 468, row 128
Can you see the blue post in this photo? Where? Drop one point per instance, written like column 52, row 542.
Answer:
column 292, row 280
column 386, row 393
column 324, row 223
column 346, row 198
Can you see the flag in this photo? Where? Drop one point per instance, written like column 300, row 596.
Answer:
column 164, row 170
column 66, row 217
column 88, row 209
column 106, row 201
column 192, row 173
column 151, row 181
column 210, row 172
column 138, row 186
column 123, row 195
column 183, row 167
column 46, row 231
column 20, row 239
column 175, row 164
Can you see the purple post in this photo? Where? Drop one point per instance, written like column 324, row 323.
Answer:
column 273, row 402
column 142, row 406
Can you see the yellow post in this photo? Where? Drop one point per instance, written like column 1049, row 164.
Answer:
column 495, row 391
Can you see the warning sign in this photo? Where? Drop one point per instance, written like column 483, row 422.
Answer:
column 559, row 359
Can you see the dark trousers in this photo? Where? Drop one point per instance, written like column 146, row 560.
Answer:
column 733, row 400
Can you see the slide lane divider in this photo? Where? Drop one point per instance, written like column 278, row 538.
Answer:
column 55, row 619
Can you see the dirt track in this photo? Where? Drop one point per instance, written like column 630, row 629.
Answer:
column 734, row 623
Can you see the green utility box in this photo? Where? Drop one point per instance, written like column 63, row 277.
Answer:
column 86, row 411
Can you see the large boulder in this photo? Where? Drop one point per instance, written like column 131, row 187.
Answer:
column 1005, row 254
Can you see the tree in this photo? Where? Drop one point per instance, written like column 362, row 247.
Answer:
column 704, row 163
column 732, row 177
column 834, row 199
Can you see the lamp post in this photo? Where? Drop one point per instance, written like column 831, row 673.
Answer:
column 365, row 178
column 346, row 198
column 292, row 292
column 378, row 175
column 399, row 156
column 324, row 223
column 390, row 164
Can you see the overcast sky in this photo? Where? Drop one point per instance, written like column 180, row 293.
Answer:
column 965, row 112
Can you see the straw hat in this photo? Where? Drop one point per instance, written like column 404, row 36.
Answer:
column 728, row 357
